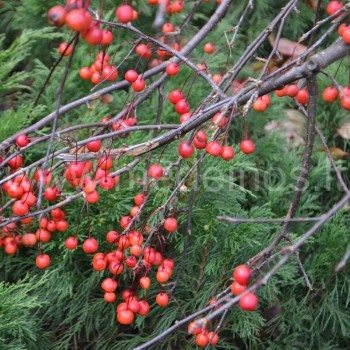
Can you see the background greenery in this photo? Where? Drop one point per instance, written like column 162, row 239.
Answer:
column 63, row 307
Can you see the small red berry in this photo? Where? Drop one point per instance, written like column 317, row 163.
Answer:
column 175, row 96
column 259, row 105
column 42, row 261
column 227, row 153
column 71, row 243
column 249, row 302
column 172, row 69
column 90, row 245
column 124, row 13
column 131, row 76
column 125, row 317
column 22, row 140
column 182, row 106
column 170, row 224
column 242, row 274
column 167, row 28
column 333, row 6
column 185, row 149
column 202, row 340
column 247, row 146
column 155, row 171
column 65, row 49
column 209, row 48
column 162, row 299
column 57, row 16
column 138, row 85
column 330, row 94
column 237, row 288
column 292, row 90
column 303, row 96
column 346, row 35
column 213, row 148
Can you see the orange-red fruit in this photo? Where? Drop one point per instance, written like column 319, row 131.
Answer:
column 247, row 146
column 71, row 243
column 185, row 149
column 107, row 37
column 346, row 35
column 167, row 28
column 227, row 153
column 345, row 103
column 94, row 146
column 143, row 51
column 303, row 96
column 182, row 106
column 213, row 338
column 139, row 199
column 172, row 69
column 43, row 235
column 93, row 35
column 184, row 117
column 125, row 316
column 214, row 148
column 162, row 276
column 193, row 328
column 85, row 73
column 29, row 239
column 145, row 282
column 92, row 197
column 110, row 297
column 200, row 140
column 237, row 288
column 144, row 308
column 22, row 140
column 170, row 224
column 78, row 19
column 242, row 274
column 259, row 105
column 57, row 16
column 249, row 302
column 219, row 120
column 88, row 185
column 202, row 340
column 175, row 96
column 62, row 225
column 162, row 299
column 109, row 285
column 20, row 208
column 333, row 6
column 330, row 94
column 116, row 267
column 209, row 48
column 217, row 78
column 124, row 13
column 281, row 92
column 292, row 90
column 155, row 171
column 90, row 245
column 42, row 261
column 16, row 162
column 138, row 85
column 131, row 76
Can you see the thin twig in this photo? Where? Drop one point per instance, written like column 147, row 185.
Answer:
column 264, row 221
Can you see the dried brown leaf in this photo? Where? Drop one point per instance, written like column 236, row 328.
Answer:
column 344, row 131
column 312, row 4
column 290, row 48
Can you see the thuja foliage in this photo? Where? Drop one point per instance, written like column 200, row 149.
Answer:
column 63, row 307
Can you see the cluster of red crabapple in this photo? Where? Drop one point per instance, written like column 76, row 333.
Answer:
column 248, row 302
